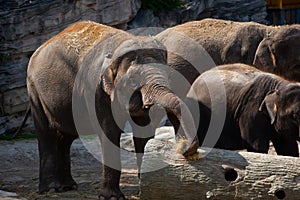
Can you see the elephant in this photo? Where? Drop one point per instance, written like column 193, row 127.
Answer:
column 258, row 107
column 197, row 46
column 92, row 78
column 279, row 52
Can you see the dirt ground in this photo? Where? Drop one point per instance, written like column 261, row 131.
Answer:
column 19, row 173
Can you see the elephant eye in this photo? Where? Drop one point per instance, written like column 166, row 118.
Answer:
column 133, row 83
column 294, row 116
column 147, row 106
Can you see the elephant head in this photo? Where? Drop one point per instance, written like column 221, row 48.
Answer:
column 279, row 52
column 138, row 79
column 283, row 107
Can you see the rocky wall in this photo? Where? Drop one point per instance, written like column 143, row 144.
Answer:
column 236, row 10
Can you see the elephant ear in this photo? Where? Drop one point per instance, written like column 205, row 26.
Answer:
column 116, row 67
column 232, row 51
column 108, row 82
column 107, row 78
column 243, row 46
column 269, row 105
column 264, row 56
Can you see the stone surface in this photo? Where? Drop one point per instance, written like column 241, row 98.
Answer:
column 236, row 10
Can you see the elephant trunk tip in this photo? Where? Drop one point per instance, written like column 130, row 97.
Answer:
column 177, row 108
column 190, row 151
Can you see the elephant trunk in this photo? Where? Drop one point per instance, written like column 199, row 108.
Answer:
column 174, row 106
column 299, row 133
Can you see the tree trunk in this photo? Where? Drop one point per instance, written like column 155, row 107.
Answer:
column 220, row 174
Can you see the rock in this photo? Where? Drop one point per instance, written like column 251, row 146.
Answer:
column 4, row 195
column 9, row 198
column 236, row 10
column 25, row 25
column 163, row 133
column 7, row 194
column 144, row 18
column 193, row 9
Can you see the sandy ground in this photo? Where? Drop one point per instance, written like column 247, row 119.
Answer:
column 19, row 170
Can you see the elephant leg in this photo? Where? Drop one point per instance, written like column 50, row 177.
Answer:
column 48, row 153
column 259, row 145
column 142, row 134
column 55, row 169
column 255, row 135
column 286, row 146
column 64, row 162
column 47, row 144
column 110, row 146
column 139, row 145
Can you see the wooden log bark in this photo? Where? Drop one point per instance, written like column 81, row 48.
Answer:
column 217, row 174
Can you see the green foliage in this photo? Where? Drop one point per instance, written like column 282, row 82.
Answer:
column 161, row 5
column 20, row 137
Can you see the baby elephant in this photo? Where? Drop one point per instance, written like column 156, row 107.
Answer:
column 259, row 107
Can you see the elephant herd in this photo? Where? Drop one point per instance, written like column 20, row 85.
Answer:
column 92, row 79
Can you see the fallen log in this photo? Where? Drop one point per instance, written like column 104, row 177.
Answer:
column 217, row 174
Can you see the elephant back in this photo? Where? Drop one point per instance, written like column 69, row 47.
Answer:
column 82, row 36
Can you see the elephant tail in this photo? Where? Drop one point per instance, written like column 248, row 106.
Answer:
column 17, row 133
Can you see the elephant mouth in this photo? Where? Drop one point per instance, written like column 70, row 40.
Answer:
column 294, row 74
column 141, row 121
column 138, row 113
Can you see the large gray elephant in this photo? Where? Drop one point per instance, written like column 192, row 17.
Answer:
column 274, row 49
column 279, row 52
column 92, row 78
column 257, row 107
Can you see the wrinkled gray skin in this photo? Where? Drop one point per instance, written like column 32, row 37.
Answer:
column 261, row 107
column 127, row 74
column 274, row 49
column 279, row 52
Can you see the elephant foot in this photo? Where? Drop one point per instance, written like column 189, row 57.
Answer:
column 68, row 185
column 108, row 194
column 46, row 187
column 57, row 186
